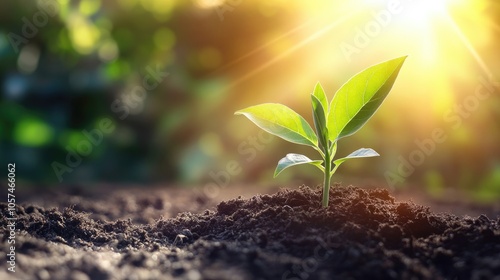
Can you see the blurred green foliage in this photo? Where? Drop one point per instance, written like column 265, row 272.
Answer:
column 83, row 61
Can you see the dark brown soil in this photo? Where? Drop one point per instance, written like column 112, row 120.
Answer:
column 364, row 234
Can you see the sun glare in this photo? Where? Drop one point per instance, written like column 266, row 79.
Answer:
column 430, row 6
column 209, row 4
column 445, row 41
column 423, row 11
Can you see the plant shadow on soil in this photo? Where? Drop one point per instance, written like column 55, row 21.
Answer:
column 363, row 234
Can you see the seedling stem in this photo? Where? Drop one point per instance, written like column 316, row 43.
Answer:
column 351, row 107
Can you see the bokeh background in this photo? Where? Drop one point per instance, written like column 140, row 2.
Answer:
column 67, row 65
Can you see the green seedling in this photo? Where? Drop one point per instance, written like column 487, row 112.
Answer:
column 351, row 107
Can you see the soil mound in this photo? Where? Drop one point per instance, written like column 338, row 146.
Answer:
column 363, row 234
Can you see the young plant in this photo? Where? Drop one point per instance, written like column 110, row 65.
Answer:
column 351, row 107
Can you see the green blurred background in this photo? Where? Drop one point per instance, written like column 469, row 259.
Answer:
column 170, row 74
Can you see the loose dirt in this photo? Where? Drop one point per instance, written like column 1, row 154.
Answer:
column 364, row 234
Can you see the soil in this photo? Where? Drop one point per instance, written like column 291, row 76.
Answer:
column 363, row 234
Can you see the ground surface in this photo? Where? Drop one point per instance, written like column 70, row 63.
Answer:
column 134, row 234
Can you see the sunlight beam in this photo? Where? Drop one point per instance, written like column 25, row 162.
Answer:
column 469, row 46
column 290, row 51
column 258, row 49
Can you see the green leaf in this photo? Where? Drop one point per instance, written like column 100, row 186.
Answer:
column 295, row 159
column 281, row 121
column 319, row 118
column 358, row 99
column 320, row 94
column 361, row 153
